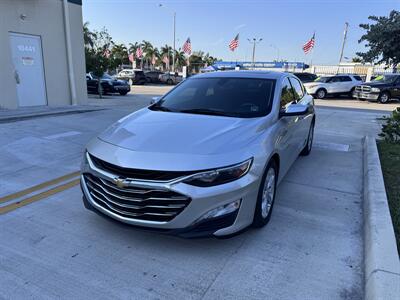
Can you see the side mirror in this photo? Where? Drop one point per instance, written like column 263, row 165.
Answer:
column 154, row 100
column 294, row 110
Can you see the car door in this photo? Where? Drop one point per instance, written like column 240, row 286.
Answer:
column 346, row 83
column 333, row 85
column 395, row 92
column 91, row 84
column 286, row 143
column 301, row 123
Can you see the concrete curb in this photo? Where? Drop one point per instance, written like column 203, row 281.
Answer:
column 382, row 266
column 14, row 116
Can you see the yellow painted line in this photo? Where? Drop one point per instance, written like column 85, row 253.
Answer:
column 38, row 187
column 40, row 196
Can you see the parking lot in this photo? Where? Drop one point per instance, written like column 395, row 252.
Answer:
column 52, row 247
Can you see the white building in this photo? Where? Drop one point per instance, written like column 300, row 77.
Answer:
column 42, row 54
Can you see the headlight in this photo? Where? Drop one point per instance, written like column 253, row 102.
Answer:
column 220, row 176
column 375, row 90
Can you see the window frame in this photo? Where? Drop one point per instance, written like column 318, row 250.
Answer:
column 293, row 89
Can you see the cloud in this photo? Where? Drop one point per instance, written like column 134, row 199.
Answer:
column 240, row 26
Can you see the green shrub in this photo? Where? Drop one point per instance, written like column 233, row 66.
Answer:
column 391, row 129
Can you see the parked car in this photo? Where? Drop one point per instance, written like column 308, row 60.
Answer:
column 153, row 76
column 132, row 76
column 333, row 85
column 108, row 84
column 306, row 77
column 206, row 158
column 381, row 89
column 170, row 78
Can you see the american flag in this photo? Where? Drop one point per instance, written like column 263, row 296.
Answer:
column 166, row 60
column 309, row 45
column 131, row 57
column 187, row 47
column 107, row 53
column 139, row 52
column 234, row 43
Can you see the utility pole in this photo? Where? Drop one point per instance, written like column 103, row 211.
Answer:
column 254, row 41
column 174, row 30
column 346, row 27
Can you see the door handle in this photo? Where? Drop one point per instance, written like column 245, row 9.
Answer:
column 16, row 76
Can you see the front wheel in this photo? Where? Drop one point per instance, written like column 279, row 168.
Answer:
column 384, row 97
column 321, row 93
column 266, row 195
column 307, row 148
column 123, row 93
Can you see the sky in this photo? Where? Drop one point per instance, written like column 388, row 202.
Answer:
column 283, row 25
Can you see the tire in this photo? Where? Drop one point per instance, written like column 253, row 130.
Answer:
column 352, row 92
column 264, row 206
column 307, row 148
column 321, row 93
column 384, row 97
column 169, row 81
column 123, row 93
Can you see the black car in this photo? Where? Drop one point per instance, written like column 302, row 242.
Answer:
column 153, row 76
column 132, row 76
column 108, row 84
column 306, row 77
column 381, row 89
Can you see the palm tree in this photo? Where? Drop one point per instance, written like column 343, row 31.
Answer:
column 88, row 36
column 180, row 58
column 132, row 49
column 166, row 51
column 196, row 61
column 119, row 55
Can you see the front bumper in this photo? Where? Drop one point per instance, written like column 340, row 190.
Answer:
column 367, row 96
column 203, row 200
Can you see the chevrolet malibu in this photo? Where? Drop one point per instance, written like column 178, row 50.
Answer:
column 205, row 159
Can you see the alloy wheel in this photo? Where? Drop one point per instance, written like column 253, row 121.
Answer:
column 268, row 193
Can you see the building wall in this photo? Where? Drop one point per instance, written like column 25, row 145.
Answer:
column 44, row 18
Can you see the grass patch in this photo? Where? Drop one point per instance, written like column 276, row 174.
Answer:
column 390, row 161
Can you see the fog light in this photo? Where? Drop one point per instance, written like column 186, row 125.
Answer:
column 220, row 211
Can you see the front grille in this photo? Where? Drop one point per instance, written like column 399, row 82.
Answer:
column 138, row 173
column 136, row 203
column 363, row 88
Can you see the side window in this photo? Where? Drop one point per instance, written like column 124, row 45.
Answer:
column 335, row 79
column 345, row 78
column 297, row 89
column 286, row 93
column 358, row 78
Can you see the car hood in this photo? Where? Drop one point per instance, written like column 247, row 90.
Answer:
column 181, row 133
column 376, row 84
column 313, row 83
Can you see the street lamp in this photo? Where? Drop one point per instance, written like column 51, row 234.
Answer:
column 277, row 51
column 174, row 28
column 254, row 41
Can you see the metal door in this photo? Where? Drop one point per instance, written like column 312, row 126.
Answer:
column 26, row 51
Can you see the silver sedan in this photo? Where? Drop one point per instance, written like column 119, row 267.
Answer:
column 204, row 159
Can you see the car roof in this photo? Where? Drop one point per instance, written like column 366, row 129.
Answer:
column 243, row 74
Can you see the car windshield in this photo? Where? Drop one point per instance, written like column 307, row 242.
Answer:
column 232, row 97
column 386, row 78
column 323, row 79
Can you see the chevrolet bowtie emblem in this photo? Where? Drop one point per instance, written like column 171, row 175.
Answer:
column 119, row 182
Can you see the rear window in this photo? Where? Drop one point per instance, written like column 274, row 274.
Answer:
column 358, row 78
column 234, row 97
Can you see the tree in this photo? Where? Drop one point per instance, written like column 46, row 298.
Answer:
column 356, row 59
column 132, row 50
column 166, row 51
column 97, row 55
column 88, row 36
column 382, row 39
column 119, row 56
column 180, row 58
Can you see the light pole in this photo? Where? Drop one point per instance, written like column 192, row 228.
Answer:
column 254, row 41
column 277, row 51
column 346, row 27
column 174, row 28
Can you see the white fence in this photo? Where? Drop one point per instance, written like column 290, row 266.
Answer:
column 354, row 69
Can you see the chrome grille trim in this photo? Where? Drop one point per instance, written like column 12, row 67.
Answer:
column 156, row 205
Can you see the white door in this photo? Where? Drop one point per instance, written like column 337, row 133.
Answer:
column 27, row 58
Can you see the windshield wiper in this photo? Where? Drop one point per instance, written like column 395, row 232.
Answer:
column 205, row 111
column 160, row 108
